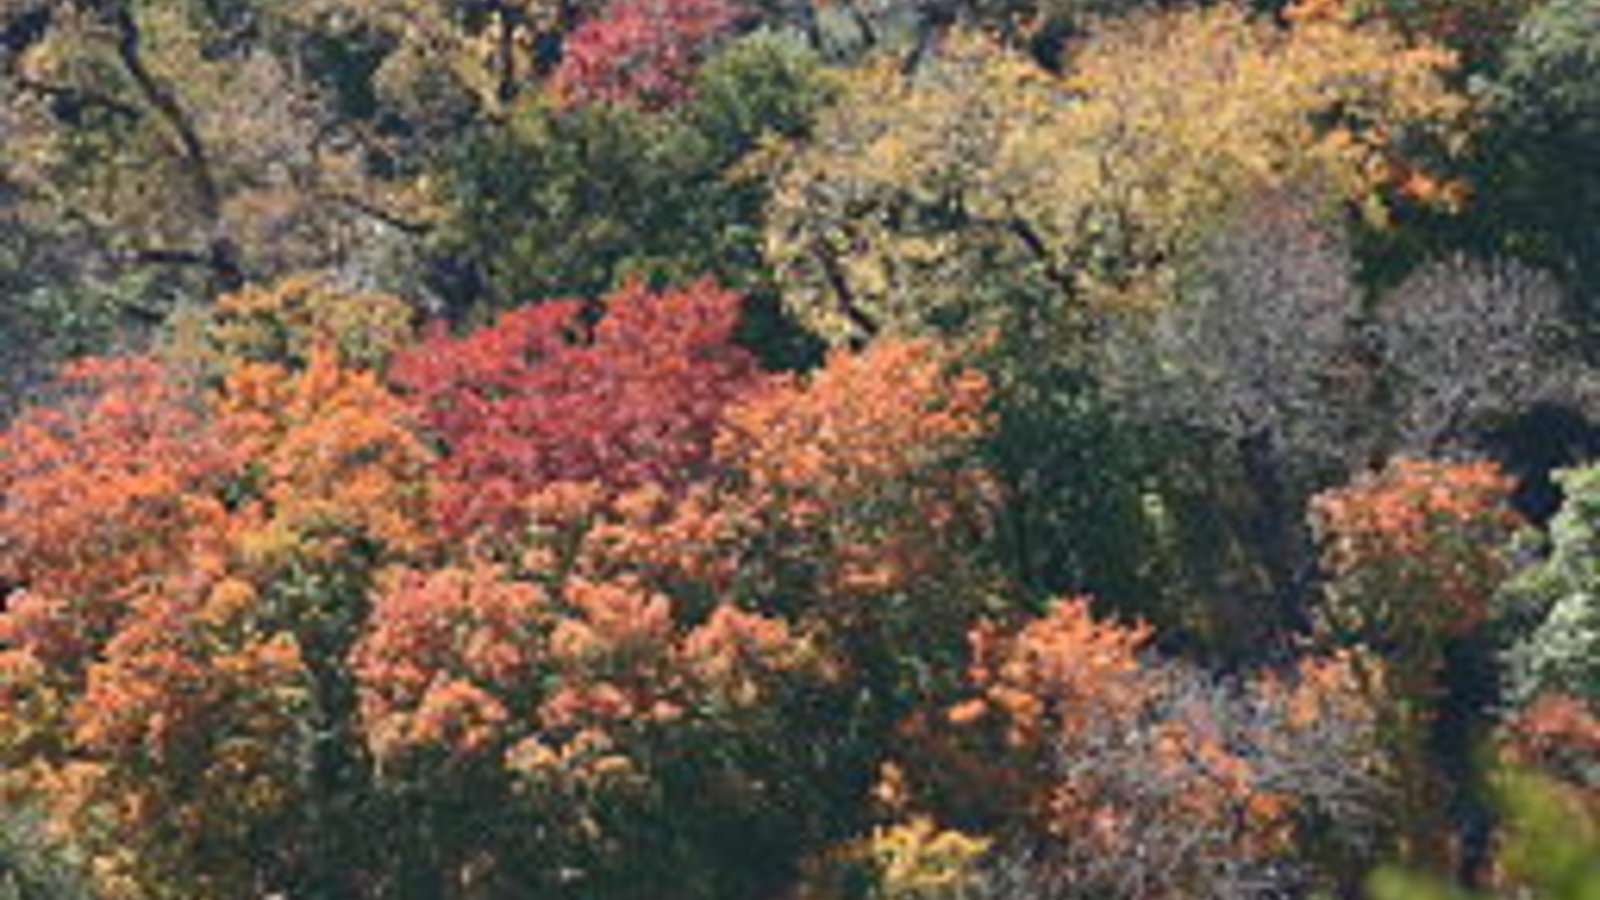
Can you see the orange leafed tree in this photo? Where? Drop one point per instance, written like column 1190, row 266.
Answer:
column 868, row 464
column 473, row 661
column 112, row 482
column 438, row 649
column 654, row 619
column 1413, row 556
column 335, row 457
column 227, row 584
column 188, row 735
column 160, row 672
column 1056, row 675
column 573, row 698
column 1416, row 551
column 1560, row 736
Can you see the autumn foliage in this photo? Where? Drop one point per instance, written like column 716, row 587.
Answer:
column 111, row 483
column 1417, row 550
column 1075, row 725
column 1474, row 28
column 472, row 661
column 558, row 559
column 870, row 461
column 160, row 672
column 682, row 547
column 334, row 453
column 641, row 51
column 542, row 397
column 155, row 698
column 1055, row 676
column 1559, row 735
column 815, row 450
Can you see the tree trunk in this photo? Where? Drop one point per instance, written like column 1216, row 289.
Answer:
column 1274, row 529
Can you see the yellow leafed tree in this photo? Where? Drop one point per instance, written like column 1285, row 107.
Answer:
column 945, row 198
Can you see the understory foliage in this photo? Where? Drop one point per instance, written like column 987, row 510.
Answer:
column 849, row 450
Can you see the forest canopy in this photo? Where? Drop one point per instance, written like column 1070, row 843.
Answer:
column 848, row 450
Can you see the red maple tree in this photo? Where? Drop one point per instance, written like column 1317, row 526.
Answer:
column 542, row 397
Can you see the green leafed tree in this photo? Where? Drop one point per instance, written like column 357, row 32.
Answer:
column 572, row 199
